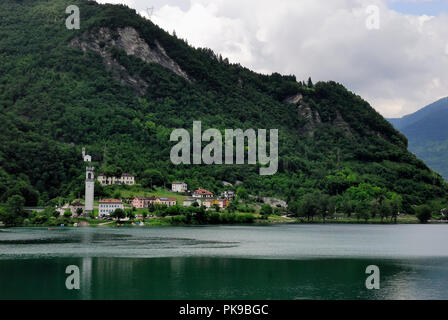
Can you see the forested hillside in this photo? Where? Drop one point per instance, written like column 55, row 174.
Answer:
column 427, row 132
column 64, row 89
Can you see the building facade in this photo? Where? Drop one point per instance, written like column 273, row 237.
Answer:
column 169, row 202
column 125, row 178
column 108, row 206
column 228, row 194
column 179, row 187
column 207, row 202
column 190, row 201
column 143, row 202
column 74, row 208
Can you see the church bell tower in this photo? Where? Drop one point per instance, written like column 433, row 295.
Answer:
column 90, row 184
column 90, row 190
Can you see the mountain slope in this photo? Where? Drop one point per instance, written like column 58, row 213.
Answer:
column 120, row 85
column 406, row 121
column 427, row 131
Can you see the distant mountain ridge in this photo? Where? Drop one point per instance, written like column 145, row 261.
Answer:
column 427, row 132
column 438, row 106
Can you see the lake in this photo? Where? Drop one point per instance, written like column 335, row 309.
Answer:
column 226, row 262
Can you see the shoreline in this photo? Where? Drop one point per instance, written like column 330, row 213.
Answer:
column 116, row 224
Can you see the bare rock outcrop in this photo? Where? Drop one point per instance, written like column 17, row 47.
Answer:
column 128, row 40
column 311, row 117
column 295, row 99
column 339, row 122
column 274, row 202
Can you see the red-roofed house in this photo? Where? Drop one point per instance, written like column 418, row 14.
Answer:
column 202, row 193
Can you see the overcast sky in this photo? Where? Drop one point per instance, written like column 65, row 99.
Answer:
column 399, row 68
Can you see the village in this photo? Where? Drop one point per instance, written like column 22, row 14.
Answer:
column 128, row 201
column 105, row 208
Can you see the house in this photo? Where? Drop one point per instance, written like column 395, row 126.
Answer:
column 142, row 202
column 169, row 202
column 108, row 206
column 179, row 187
column 125, row 178
column 190, row 201
column 228, row 194
column 73, row 207
column 223, row 203
column 202, row 193
column 210, row 203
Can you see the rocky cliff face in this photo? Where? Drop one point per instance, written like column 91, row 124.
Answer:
column 312, row 117
column 128, row 40
column 339, row 122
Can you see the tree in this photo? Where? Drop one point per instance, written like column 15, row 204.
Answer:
column 294, row 208
column 232, row 206
column 348, row 207
column 424, row 213
column 15, row 205
column 118, row 214
column 326, row 206
column 309, row 206
column 396, row 206
column 151, row 178
column 385, row 209
column 266, row 210
column 67, row 213
column 79, row 212
column 374, row 208
column 130, row 214
column 216, row 207
column 310, row 83
column 13, row 213
column 362, row 211
column 242, row 193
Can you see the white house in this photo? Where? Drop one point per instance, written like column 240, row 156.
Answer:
column 179, row 187
column 125, row 178
column 108, row 206
column 228, row 194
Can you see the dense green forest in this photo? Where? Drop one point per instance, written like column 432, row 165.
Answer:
column 55, row 99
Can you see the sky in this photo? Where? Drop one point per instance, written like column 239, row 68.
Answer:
column 393, row 53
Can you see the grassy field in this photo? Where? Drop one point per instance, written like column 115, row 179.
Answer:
column 138, row 191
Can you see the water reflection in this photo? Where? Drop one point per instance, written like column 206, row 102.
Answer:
column 86, row 278
column 221, row 278
column 281, row 262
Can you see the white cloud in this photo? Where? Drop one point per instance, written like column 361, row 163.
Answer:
column 399, row 68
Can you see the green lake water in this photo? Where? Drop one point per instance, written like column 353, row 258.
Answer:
column 226, row 262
